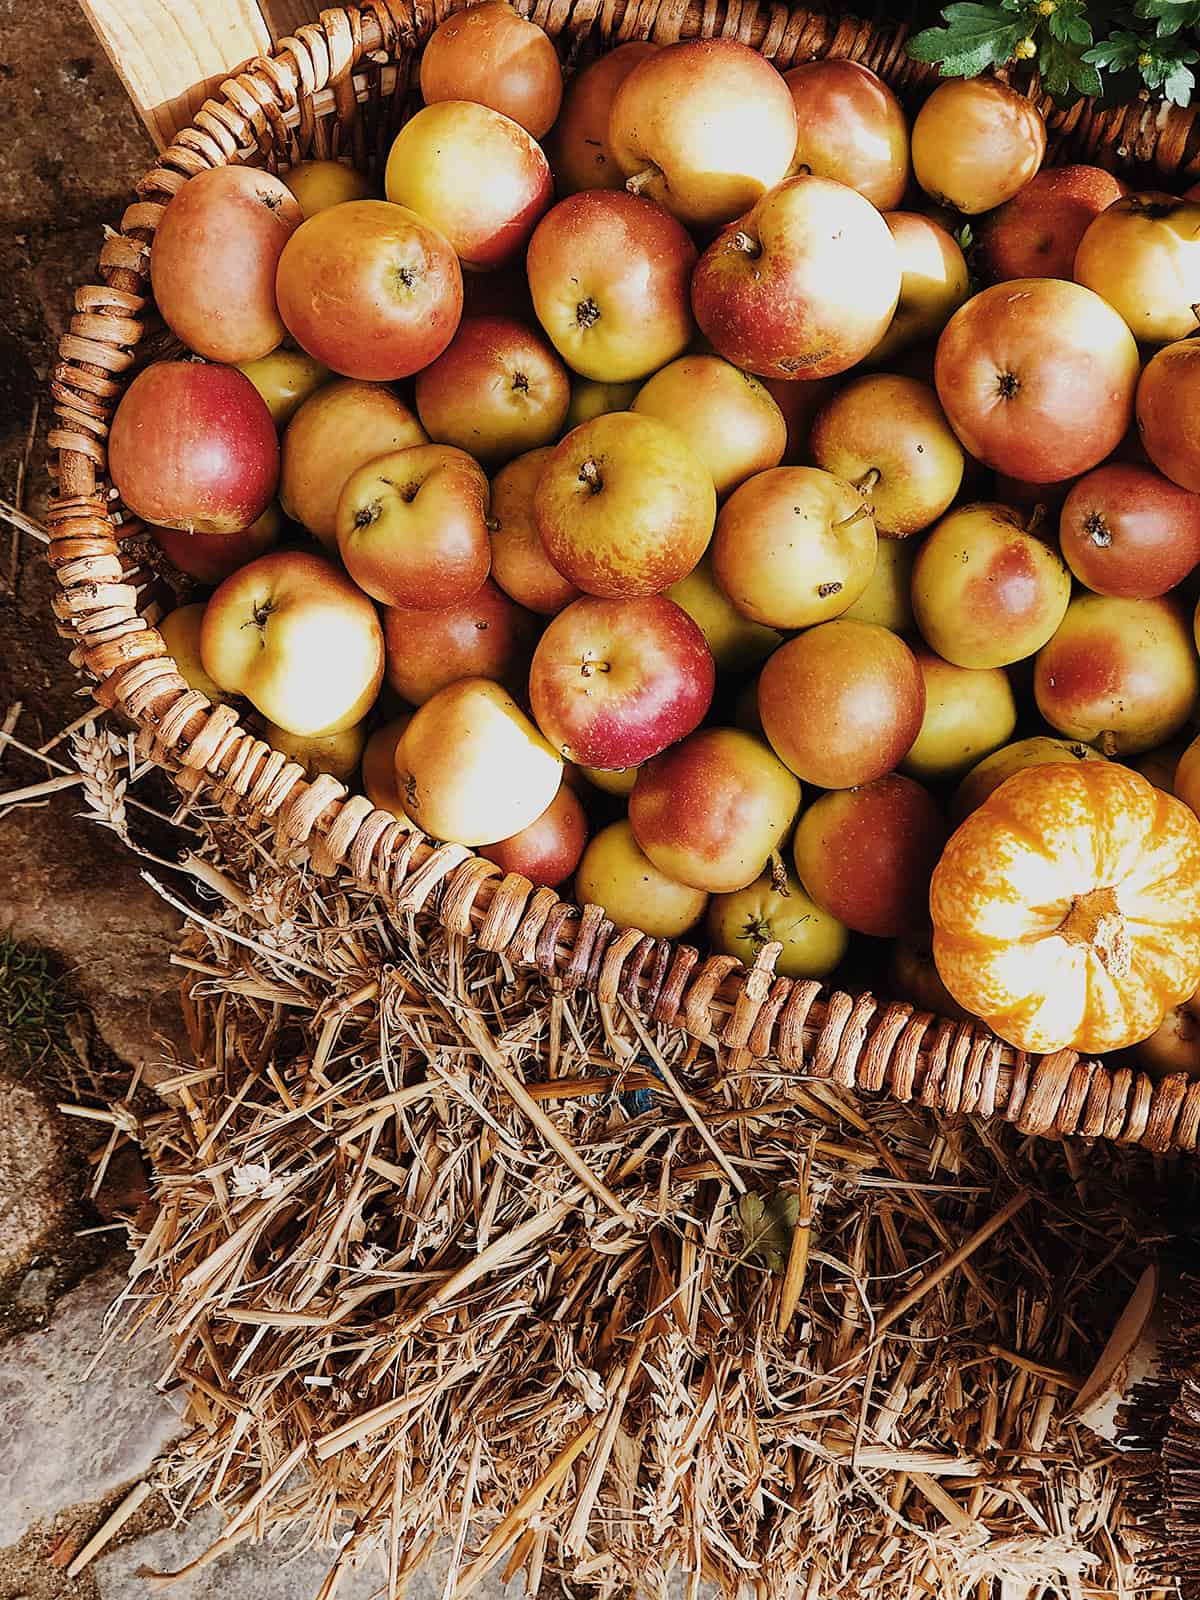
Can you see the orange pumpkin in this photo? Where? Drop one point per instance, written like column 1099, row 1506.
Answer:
column 1066, row 909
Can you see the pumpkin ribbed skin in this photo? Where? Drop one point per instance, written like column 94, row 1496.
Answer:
column 1066, row 909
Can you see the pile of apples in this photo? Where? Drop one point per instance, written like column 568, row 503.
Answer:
column 705, row 533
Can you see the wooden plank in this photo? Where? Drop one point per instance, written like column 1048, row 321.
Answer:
column 170, row 54
column 285, row 16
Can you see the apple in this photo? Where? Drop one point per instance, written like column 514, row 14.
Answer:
column 737, row 644
column 729, row 418
column 317, row 185
column 548, row 850
column 934, row 282
column 180, row 632
column 193, row 446
column 1186, row 785
column 1126, row 530
column 213, row 261
column 580, row 154
column 969, row 712
column 1037, row 232
column 484, row 636
column 471, row 768
column 1142, row 255
column 799, row 401
column 870, row 693
column 296, row 637
column 615, row 875
column 474, row 175
column 985, row 592
column 794, row 546
column 520, row 564
column 711, row 810
column 975, row 143
column 492, row 55
column 379, row 767
column 704, row 128
column 613, row 682
column 623, row 506
column 337, row 754
column 285, row 379
column 866, row 855
column 888, row 436
column 412, row 527
column 617, row 781
column 338, row 429
column 887, row 599
column 1037, row 378
column 1160, row 765
column 211, row 557
column 913, row 977
column 803, row 286
column 1174, row 1046
column 591, row 399
column 496, row 390
column 1120, row 674
column 609, row 274
column 987, row 775
column 850, row 127
column 1168, row 412
column 370, row 289
column 743, row 923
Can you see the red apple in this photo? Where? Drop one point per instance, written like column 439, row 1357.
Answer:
column 475, row 175
column 803, row 286
column 1037, row 378
column 613, row 682
column 484, row 636
column 1126, row 530
column 492, row 55
column 548, row 850
column 1037, row 232
column 214, row 257
column 412, row 527
column 520, row 564
column 370, row 289
column 866, row 855
column 710, row 810
column 211, row 557
column 842, row 703
column 1168, row 412
column 580, row 154
column 623, row 506
column 850, row 127
column 1121, row 674
column 609, row 275
column 496, row 390
column 703, row 128
column 193, row 446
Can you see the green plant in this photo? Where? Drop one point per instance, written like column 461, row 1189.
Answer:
column 35, row 1006
column 1103, row 49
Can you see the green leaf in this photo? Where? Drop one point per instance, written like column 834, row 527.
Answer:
column 767, row 1227
column 1179, row 83
column 1119, row 51
column 1170, row 15
column 1069, row 25
column 1086, row 79
column 975, row 37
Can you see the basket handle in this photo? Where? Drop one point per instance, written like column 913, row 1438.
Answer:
column 171, row 54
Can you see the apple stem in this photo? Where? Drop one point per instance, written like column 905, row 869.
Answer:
column 492, row 524
column 867, row 482
column 589, row 473
column 744, row 242
column 586, row 668
column 637, row 181
column 855, row 516
column 778, row 872
column 1196, row 310
column 1036, row 517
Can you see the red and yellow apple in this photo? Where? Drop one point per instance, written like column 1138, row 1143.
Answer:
column 592, row 399
column 617, row 876
column 492, row 55
column 1168, row 412
column 211, row 557
column 1127, row 530
column 850, row 127
column 975, row 143
column 1142, row 255
column 728, row 417
column 496, row 390
column 934, row 282
column 548, row 850
column 483, row 636
column 580, row 154
column 298, row 639
column 520, row 564
column 379, row 767
column 1037, row 232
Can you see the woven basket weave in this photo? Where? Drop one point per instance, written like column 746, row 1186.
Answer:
column 344, row 85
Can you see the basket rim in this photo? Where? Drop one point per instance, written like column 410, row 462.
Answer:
column 285, row 100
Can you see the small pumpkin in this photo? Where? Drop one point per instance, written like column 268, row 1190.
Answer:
column 1066, row 909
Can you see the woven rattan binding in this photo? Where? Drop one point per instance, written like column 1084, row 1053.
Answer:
column 343, row 85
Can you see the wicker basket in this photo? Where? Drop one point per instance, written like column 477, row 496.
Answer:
column 344, row 85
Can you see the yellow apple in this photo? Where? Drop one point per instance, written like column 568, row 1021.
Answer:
column 887, row 599
column 615, row 875
column 471, row 768
column 728, row 417
column 379, row 767
column 934, row 282
column 737, row 643
column 336, row 430
column 337, row 754
column 592, row 399
column 319, row 184
column 180, row 630
column 285, row 379
column 969, row 713
column 298, row 639
column 611, row 780
column 740, row 924
column 987, row 775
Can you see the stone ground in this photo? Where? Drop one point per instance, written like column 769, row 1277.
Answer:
column 73, row 1448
